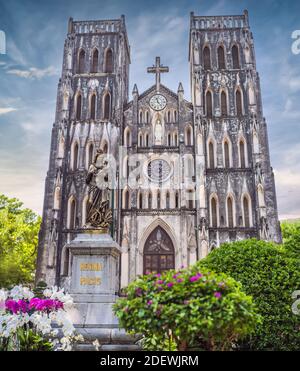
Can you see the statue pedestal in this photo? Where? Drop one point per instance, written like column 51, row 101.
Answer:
column 94, row 283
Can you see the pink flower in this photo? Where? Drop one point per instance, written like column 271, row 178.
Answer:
column 12, row 306
column 158, row 275
column 180, row 280
column 186, row 302
column 159, row 282
column 150, row 302
column 217, row 295
column 170, row 284
column 23, row 306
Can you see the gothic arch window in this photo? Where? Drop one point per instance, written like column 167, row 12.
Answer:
column 141, row 117
column 95, row 60
column 188, row 136
column 235, row 57
column 176, row 139
column 209, row 104
column 150, row 200
column 72, row 213
column 85, row 205
column 168, row 200
column 90, row 155
column 246, row 211
column 140, row 139
column 159, row 254
column 175, row 116
column 127, row 137
column 214, row 212
column 224, row 110
column 211, row 155
column 126, row 200
column 93, row 107
column 190, row 199
column 78, row 106
column 242, row 153
column 206, row 58
column 221, row 58
column 61, row 147
column 176, row 200
column 140, row 200
column 230, row 212
column 189, row 166
column 147, row 140
column 169, row 117
column 104, row 146
column 158, row 200
column 226, row 154
column 106, row 101
column 75, row 155
column 239, row 103
column 108, row 61
column 169, row 139
column 81, row 61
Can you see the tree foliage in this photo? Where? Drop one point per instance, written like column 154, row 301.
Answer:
column 19, row 229
column 190, row 307
column 270, row 275
column 291, row 238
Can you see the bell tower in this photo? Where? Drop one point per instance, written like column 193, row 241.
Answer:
column 92, row 92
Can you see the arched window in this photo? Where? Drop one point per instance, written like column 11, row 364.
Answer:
column 150, row 201
column 176, row 200
column 235, row 57
column 147, row 140
column 176, row 139
column 93, row 107
column 141, row 117
column 90, row 154
column 158, row 200
column 175, row 116
column 223, row 104
column 81, row 60
column 221, row 58
column 95, row 59
column 128, row 138
column 126, row 199
column 169, row 116
column 104, row 147
column 168, row 200
column 169, row 139
column 78, row 107
column 211, row 153
column 242, row 154
column 209, row 110
column 190, row 199
column 230, row 212
column 206, row 58
column 56, row 204
column 188, row 138
column 246, row 210
column 140, row 200
column 238, row 102
column 147, row 117
column 226, row 155
column 108, row 66
column 214, row 213
column 72, row 214
column 140, row 140
column 106, row 114
column 75, row 157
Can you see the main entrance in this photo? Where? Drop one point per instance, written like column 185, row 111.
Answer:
column 158, row 252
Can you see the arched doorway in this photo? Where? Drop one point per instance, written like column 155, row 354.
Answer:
column 158, row 252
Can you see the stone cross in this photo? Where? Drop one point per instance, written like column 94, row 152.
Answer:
column 157, row 69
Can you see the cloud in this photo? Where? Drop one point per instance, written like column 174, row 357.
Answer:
column 4, row 111
column 34, row 73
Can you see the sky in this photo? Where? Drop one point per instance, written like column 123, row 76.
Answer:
column 29, row 71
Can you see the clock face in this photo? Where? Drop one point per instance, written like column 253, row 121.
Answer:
column 158, row 102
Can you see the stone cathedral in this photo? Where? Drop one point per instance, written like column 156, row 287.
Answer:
column 188, row 175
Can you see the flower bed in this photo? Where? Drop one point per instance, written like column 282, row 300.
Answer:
column 29, row 323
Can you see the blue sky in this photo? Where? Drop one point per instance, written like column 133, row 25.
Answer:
column 29, row 73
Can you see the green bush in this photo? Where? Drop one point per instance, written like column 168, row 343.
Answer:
column 291, row 238
column 187, row 307
column 270, row 275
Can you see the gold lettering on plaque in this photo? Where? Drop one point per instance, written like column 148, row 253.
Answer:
column 90, row 281
column 91, row 267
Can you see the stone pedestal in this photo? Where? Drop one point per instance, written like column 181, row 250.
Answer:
column 94, row 284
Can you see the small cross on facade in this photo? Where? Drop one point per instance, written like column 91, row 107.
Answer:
column 157, row 69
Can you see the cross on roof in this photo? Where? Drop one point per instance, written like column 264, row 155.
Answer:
column 157, row 69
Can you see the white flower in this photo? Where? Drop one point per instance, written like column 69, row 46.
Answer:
column 20, row 292
column 96, row 344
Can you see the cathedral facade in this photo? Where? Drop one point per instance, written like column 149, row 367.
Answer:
column 187, row 175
